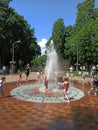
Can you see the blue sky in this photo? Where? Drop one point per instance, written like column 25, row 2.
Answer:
column 41, row 14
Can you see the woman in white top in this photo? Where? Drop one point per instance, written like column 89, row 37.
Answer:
column 1, row 88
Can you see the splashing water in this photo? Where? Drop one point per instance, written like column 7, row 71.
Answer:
column 52, row 61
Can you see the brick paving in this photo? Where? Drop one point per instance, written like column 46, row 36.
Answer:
column 21, row 115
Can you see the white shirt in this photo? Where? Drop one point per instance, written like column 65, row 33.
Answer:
column 0, row 82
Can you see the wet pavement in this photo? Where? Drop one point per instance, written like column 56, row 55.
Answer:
column 16, row 114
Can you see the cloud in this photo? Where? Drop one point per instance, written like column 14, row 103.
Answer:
column 42, row 44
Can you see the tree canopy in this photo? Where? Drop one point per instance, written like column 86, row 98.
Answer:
column 81, row 38
column 13, row 27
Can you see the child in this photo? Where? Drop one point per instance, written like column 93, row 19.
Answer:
column 94, row 86
column 39, row 75
column 45, row 80
column 19, row 77
column 65, row 85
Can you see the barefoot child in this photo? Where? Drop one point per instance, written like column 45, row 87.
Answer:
column 65, row 85
column 19, row 77
column 45, row 80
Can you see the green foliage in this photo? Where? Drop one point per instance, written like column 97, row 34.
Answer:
column 58, row 35
column 80, row 41
column 85, row 13
column 39, row 62
column 14, row 27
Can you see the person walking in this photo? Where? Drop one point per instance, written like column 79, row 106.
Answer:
column 1, row 87
column 94, row 85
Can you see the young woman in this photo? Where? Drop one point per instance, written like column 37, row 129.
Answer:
column 1, row 88
column 27, row 71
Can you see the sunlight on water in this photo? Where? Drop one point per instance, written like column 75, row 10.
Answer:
column 52, row 61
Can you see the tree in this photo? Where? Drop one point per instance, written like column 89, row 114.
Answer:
column 13, row 28
column 39, row 62
column 58, row 35
column 85, row 13
column 83, row 36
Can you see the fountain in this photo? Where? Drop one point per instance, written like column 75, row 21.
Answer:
column 52, row 61
column 36, row 93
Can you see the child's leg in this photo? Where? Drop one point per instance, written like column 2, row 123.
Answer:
column 96, row 91
column 90, row 90
column 65, row 95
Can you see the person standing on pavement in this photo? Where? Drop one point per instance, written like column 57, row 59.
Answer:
column 1, row 87
column 45, row 80
column 19, row 76
column 4, row 70
column 27, row 72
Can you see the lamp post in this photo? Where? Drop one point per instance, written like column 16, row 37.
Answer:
column 77, row 58
column 13, row 51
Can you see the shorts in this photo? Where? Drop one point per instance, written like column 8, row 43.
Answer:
column 46, row 84
column 65, row 89
column 95, row 86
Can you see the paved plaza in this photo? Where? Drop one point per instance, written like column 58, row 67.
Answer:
column 27, row 107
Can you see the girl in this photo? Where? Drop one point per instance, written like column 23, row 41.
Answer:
column 19, row 77
column 65, row 85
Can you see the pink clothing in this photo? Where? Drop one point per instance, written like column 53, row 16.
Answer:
column 65, row 89
column 19, row 76
column 66, row 86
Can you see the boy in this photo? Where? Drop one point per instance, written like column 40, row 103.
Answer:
column 94, row 86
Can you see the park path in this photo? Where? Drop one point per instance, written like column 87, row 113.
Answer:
column 13, row 78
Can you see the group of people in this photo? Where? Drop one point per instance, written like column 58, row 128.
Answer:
column 27, row 72
column 62, row 82
column 39, row 76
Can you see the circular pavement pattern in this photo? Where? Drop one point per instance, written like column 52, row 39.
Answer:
column 37, row 93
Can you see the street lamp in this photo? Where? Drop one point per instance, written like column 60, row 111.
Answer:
column 77, row 59
column 13, row 62
column 13, row 49
column 77, row 63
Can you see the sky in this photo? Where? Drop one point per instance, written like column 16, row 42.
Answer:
column 42, row 14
